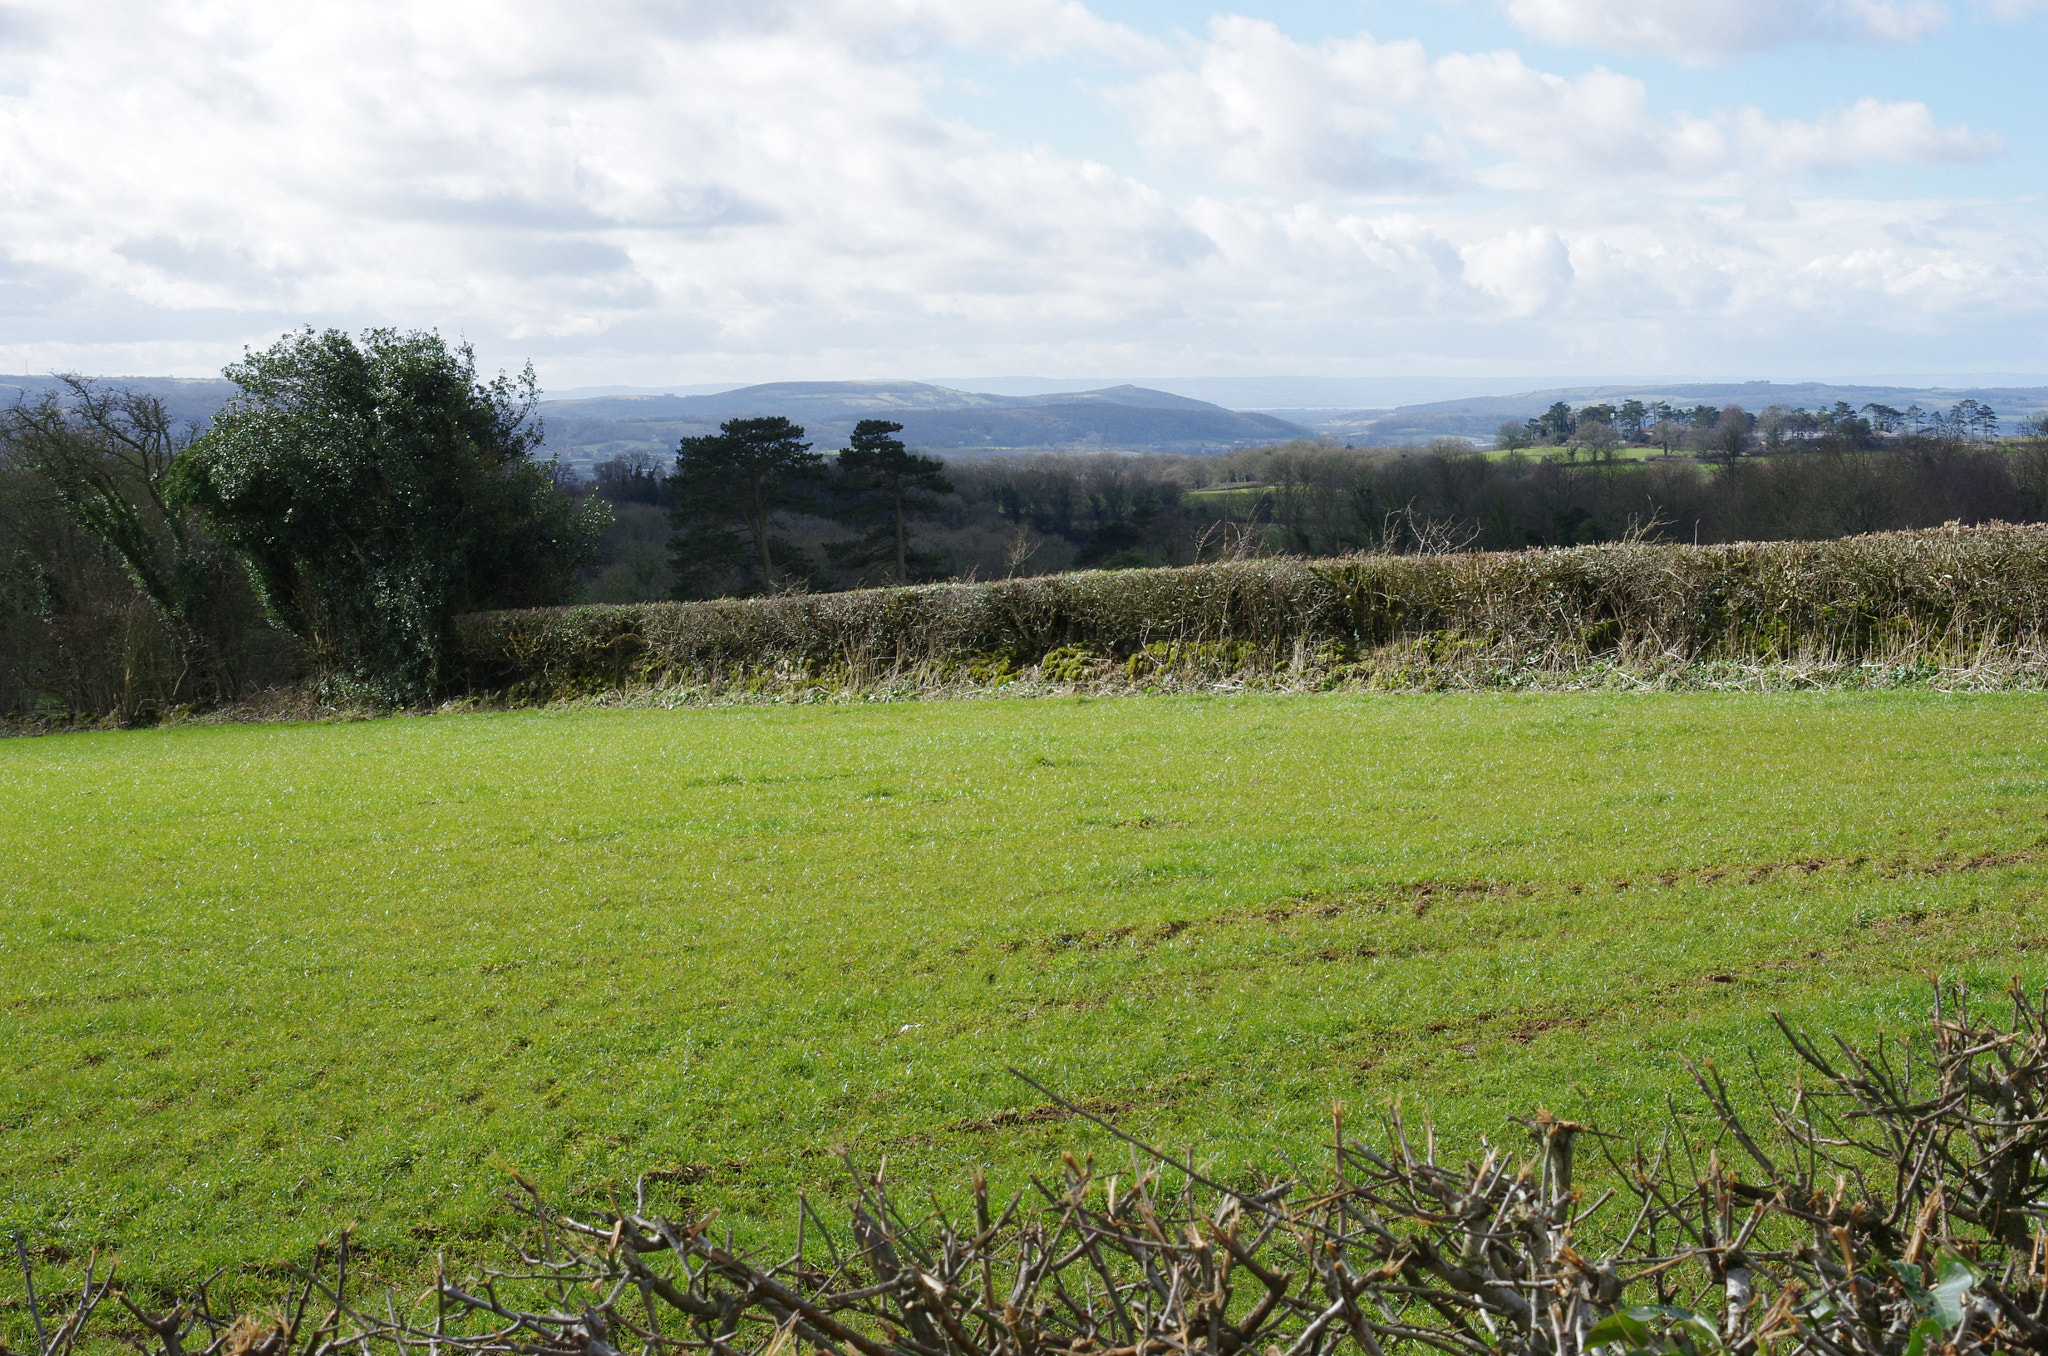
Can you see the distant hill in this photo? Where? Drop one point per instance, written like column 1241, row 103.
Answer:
column 1481, row 416
column 944, row 419
column 189, row 399
column 934, row 418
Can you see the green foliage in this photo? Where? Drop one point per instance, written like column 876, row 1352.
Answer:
column 263, row 981
column 882, row 487
column 375, row 489
column 1655, row 1330
column 729, row 487
column 1554, row 425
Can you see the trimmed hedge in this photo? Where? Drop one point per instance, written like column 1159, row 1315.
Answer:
column 1947, row 591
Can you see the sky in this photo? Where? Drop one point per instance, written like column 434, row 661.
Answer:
column 1415, row 193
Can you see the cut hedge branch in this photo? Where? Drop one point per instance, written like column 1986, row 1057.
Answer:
column 1889, row 1202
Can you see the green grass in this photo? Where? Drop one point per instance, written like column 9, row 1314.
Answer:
column 260, row 981
column 1238, row 498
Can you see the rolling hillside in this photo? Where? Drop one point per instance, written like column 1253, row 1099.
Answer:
column 945, row 419
column 1480, row 416
column 937, row 418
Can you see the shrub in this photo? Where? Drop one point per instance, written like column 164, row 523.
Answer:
column 1939, row 593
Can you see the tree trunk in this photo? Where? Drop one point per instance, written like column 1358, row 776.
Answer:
column 757, row 523
column 902, row 555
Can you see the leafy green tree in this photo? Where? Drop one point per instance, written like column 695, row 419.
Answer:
column 376, row 489
column 884, row 486
column 730, row 487
column 1632, row 420
column 1557, row 423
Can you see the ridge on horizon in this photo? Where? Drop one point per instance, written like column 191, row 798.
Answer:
column 1125, row 416
column 1216, row 389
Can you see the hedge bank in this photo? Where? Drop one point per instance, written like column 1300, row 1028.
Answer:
column 1931, row 596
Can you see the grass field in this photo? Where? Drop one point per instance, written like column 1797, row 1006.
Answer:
column 261, row 981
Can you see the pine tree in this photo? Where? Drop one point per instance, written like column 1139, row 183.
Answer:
column 729, row 487
column 884, row 486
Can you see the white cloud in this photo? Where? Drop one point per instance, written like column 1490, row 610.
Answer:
column 1528, row 268
column 1272, row 111
column 647, row 191
column 1698, row 32
column 1549, row 127
column 1018, row 28
column 1267, row 110
column 1869, row 129
column 549, row 167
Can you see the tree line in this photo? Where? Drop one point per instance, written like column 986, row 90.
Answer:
column 359, row 493
column 700, row 532
column 1730, row 432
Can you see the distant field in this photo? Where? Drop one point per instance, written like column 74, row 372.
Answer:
column 261, row 981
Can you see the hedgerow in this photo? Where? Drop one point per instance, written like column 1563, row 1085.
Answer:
column 1930, row 597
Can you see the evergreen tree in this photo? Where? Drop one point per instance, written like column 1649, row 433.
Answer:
column 1556, row 423
column 1632, row 419
column 729, row 488
column 885, row 486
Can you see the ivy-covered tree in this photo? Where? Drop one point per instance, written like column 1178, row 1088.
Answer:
column 883, row 486
column 730, row 487
column 376, row 489
column 105, row 454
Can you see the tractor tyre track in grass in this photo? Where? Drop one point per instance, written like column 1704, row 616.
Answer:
column 261, row 981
